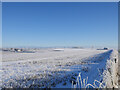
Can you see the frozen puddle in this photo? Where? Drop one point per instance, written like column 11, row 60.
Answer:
column 58, row 69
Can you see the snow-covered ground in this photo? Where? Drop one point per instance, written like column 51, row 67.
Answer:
column 107, row 74
column 52, row 68
column 110, row 74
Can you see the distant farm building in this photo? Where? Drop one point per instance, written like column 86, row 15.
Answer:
column 103, row 49
column 58, row 49
column 18, row 50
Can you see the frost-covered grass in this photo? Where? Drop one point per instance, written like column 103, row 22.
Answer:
column 83, row 83
column 50, row 68
column 109, row 76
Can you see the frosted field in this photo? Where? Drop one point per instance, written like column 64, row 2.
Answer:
column 54, row 69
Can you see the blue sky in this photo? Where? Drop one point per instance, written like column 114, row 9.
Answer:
column 60, row 24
